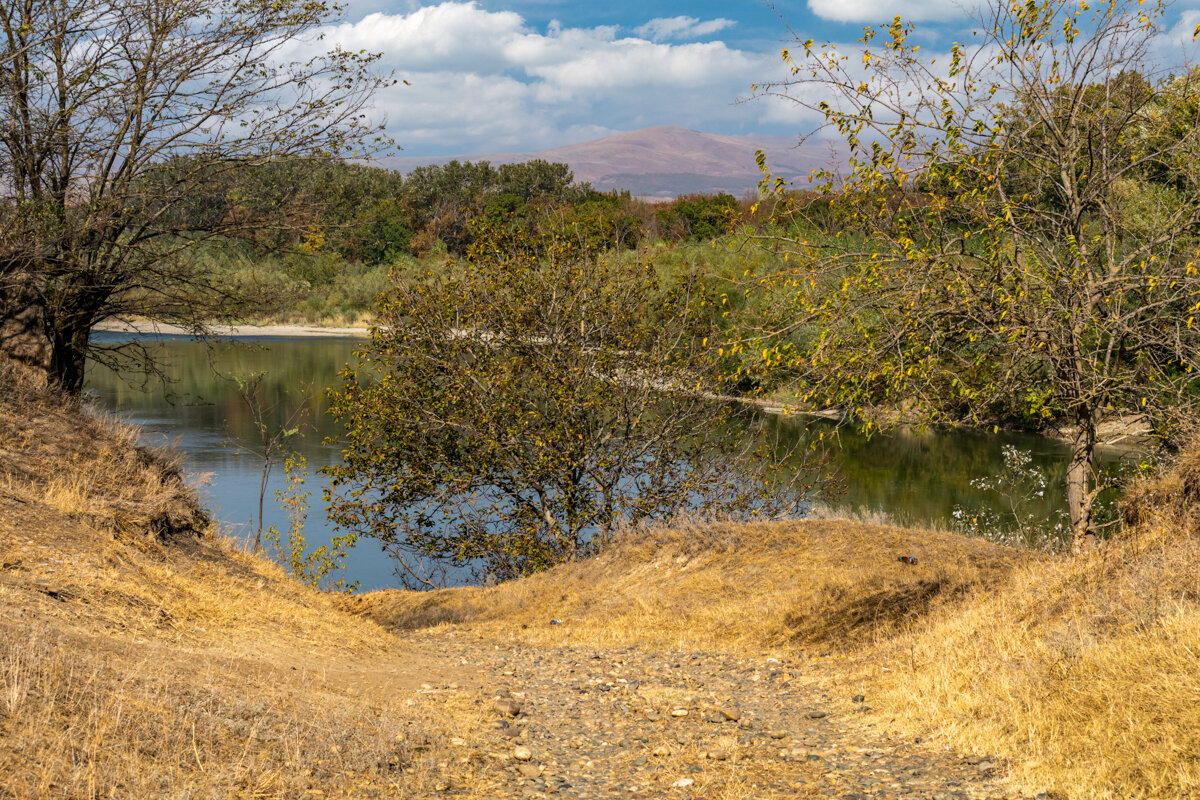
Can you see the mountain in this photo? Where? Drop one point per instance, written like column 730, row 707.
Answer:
column 665, row 161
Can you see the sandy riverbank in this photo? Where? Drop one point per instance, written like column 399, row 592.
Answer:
column 234, row 331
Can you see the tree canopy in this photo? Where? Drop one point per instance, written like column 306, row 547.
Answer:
column 509, row 413
column 1018, row 232
column 117, row 117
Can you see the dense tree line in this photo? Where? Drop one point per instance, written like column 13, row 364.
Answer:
column 372, row 215
column 340, row 228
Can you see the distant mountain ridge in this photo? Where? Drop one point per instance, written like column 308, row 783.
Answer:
column 664, row 161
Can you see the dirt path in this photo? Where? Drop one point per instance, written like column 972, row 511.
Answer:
column 624, row 723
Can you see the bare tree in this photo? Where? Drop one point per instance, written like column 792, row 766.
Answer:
column 123, row 122
column 1018, row 233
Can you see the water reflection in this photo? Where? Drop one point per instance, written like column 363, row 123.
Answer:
column 920, row 477
column 915, row 478
column 201, row 414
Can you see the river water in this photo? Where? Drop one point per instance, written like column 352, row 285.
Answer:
column 914, row 478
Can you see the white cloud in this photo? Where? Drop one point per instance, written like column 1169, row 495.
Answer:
column 881, row 11
column 681, row 27
column 632, row 62
column 448, row 36
column 1180, row 39
column 487, row 81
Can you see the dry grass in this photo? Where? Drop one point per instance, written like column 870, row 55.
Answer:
column 834, row 583
column 140, row 722
column 1084, row 673
column 87, row 464
column 142, row 657
column 357, row 319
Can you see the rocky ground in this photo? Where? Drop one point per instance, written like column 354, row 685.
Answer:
column 577, row 722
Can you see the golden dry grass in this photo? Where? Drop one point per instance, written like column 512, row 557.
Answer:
column 1084, row 673
column 87, row 464
column 90, row 718
column 147, row 659
column 359, row 319
column 829, row 582
column 142, row 657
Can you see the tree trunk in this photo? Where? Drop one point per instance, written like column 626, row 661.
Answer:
column 1079, row 486
column 69, row 356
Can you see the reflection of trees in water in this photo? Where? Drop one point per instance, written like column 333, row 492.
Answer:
column 920, row 477
column 201, row 398
column 916, row 478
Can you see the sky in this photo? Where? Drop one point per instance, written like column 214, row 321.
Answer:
column 499, row 76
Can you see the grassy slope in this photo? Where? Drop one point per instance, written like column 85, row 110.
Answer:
column 140, row 657
column 832, row 583
column 1083, row 674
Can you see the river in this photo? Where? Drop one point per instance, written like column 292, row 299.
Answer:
column 914, row 478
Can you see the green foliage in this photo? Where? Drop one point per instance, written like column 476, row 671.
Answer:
column 607, row 222
column 1024, row 230
column 700, row 217
column 536, row 178
column 312, row 567
column 445, row 199
column 379, row 234
column 510, row 412
column 505, row 207
column 313, row 268
column 455, row 182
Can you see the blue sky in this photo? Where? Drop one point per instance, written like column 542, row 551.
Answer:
column 493, row 76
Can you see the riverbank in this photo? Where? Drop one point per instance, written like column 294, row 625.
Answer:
column 290, row 331
column 1129, row 433
column 142, row 655
column 203, row 667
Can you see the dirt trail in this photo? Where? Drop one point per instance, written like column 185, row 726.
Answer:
column 594, row 722
column 622, row 723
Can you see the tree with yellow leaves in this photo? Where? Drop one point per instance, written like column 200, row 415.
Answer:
column 1018, row 231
